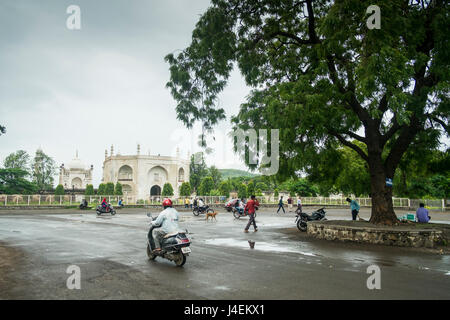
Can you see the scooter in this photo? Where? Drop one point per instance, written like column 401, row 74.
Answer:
column 302, row 218
column 174, row 246
column 109, row 209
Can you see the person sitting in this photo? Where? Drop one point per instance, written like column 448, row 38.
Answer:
column 167, row 222
column 422, row 214
column 201, row 205
column 105, row 204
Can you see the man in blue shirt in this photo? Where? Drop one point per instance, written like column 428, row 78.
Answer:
column 354, row 206
column 422, row 214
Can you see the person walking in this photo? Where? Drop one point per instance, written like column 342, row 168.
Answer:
column 299, row 204
column 186, row 203
column 280, row 205
column 290, row 204
column 251, row 207
column 354, row 206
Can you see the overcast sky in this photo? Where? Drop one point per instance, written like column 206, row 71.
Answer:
column 65, row 90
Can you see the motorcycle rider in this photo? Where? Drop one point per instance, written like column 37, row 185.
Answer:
column 201, row 205
column 105, row 204
column 167, row 222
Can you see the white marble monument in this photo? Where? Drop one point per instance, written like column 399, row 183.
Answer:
column 144, row 176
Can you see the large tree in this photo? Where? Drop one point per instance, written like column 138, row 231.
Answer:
column 323, row 78
column 197, row 170
column 19, row 160
column 13, row 181
column 43, row 170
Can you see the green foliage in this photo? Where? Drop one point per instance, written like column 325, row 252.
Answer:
column 109, row 189
column 89, row 190
column 101, row 191
column 59, row 191
column 12, row 181
column 261, row 186
column 301, row 187
column 251, row 188
column 167, row 190
column 198, row 170
column 215, row 175
column 276, row 193
column 215, row 192
column 19, row 160
column 185, row 189
column 225, row 188
column 233, row 173
column 341, row 169
column 43, row 170
column 118, row 189
column 206, row 186
column 319, row 72
column 242, row 191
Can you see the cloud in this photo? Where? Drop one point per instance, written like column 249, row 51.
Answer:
column 63, row 90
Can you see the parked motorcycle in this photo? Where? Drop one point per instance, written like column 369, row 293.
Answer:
column 198, row 210
column 83, row 205
column 109, row 209
column 302, row 218
column 174, row 246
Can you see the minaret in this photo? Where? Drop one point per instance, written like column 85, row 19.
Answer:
column 112, row 150
column 106, row 154
column 138, row 149
column 178, row 152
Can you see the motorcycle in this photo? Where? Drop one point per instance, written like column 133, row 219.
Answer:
column 230, row 204
column 174, row 246
column 302, row 218
column 109, row 209
column 83, row 205
column 237, row 213
column 198, row 210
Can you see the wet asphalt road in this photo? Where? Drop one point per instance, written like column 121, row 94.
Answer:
column 285, row 263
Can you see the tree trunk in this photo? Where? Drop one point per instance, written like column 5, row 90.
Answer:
column 382, row 208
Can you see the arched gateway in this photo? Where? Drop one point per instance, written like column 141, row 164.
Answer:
column 155, row 190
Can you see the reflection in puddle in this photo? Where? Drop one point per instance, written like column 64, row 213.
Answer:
column 259, row 245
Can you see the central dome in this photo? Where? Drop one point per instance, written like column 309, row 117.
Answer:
column 76, row 163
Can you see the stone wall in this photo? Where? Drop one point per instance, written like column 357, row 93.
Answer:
column 395, row 236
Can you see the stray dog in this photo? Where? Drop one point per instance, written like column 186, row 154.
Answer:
column 212, row 215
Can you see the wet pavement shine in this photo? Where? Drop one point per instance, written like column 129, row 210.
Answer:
column 284, row 264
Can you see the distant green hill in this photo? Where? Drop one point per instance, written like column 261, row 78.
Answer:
column 232, row 173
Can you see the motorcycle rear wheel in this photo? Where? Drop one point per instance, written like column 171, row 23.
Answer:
column 236, row 214
column 150, row 255
column 181, row 260
column 195, row 212
column 98, row 213
column 113, row 212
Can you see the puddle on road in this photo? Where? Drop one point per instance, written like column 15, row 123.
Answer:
column 259, row 245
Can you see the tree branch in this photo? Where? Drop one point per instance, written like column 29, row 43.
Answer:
column 349, row 144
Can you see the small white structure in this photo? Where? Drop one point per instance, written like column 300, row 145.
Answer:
column 144, row 176
column 75, row 175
